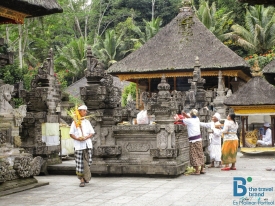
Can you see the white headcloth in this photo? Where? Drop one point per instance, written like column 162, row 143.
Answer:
column 82, row 107
column 217, row 115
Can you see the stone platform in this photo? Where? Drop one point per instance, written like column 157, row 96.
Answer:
column 258, row 150
column 215, row 188
column 19, row 185
column 67, row 167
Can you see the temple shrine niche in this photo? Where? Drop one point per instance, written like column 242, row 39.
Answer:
column 254, row 99
column 15, row 164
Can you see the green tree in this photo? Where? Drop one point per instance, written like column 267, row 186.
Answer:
column 257, row 36
column 217, row 22
column 109, row 49
column 151, row 29
column 130, row 89
column 71, row 60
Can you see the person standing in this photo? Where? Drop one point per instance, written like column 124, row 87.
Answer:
column 266, row 139
column 82, row 131
column 230, row 143
column 215, row 139
column 196, row 154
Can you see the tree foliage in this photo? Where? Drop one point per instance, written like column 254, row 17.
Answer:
column 217, row 21
column 257, row 35
column 128, row 90
column 115, row 28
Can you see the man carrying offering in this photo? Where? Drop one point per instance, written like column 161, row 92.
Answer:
column 82, row 131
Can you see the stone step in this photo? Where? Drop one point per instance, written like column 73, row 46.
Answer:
column 65, row 168
column 19, row 185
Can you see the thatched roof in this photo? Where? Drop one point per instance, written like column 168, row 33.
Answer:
column 257, row 91
column 33, row 7
column 252, row 2
column 73, row 89
column 175, row 47
column 269, row 68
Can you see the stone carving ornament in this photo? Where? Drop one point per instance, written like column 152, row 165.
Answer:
column 137, row 147
column 5, row 96
column 108, row 150
column 170, row 128
column 107, row 81
column 162, row 139
column 3, row 137
column 27, row 167
column 6, row 172
column 114, row 97
column 19, row 114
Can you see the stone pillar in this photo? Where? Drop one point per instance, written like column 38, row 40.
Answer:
column 40, row 127
column 14, row 163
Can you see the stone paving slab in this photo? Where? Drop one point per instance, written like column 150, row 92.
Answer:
column 19, row 185
column 213, row 188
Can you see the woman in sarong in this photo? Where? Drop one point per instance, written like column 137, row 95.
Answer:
column 230, row 143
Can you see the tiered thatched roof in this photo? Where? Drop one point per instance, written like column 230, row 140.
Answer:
column 174, row 48
column 33, row 7
column 257, row 91
column 14, row 11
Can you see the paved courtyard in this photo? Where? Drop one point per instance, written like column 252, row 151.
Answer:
column 213, row 188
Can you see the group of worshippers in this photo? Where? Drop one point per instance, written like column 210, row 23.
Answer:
column 224, row 154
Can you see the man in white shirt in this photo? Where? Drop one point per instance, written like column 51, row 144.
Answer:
column 194, row 135
column 83, row 146
column 266, row 138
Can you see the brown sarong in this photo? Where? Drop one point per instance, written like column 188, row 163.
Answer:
column 196, row 154
column 87, row 172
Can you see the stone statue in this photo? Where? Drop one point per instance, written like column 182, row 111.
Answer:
column 5, row 96
column 229, row 93
column 129, row 98
column 19, row 114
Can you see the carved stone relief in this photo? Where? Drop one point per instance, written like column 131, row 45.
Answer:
column 162, row 139
column 137, row 147
column 5, row 96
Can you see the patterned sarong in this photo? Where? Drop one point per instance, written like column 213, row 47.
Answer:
column 196, row 154
column 229, row 151
column 83, row 159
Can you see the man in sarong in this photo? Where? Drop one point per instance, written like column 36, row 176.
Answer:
column 194, row 135
column 83, row 146
column 215, row 146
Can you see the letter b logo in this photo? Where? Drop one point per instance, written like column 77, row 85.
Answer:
column 237, row 186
